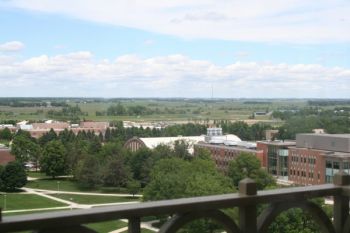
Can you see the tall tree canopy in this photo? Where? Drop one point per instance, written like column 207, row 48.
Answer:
column 54, row 159
column 248, row 165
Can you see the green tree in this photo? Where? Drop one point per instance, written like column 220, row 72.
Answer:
column 176, row 178
column 88, row 172
column 13, row 176
column 5, row 134
column 133, row 186
column 248, row 165
column 116, row 173
column 53, row 161
column 25, row 149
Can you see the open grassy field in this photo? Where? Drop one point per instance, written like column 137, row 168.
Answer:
column 93, row 199
column 194, row 110
column 16, row 201
column 55, row 184
column 67, row 184
column 108, row 226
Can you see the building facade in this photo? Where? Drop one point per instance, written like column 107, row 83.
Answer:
column 222, row 154
column 275, row 157
column 6, row 156
column 317, row 157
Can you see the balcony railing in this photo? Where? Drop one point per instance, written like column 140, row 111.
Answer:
column 189, row 209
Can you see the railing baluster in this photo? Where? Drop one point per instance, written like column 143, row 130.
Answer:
column 134, row 225
column 341, row 202
column 248, row 214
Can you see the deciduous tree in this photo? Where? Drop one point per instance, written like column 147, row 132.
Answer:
column 54, row 161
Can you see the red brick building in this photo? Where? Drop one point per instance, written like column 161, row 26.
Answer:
column 223, row 154
column 317, row 157
column 275, row 156
column 5, row 156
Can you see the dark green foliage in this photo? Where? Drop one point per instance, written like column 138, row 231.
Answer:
column 54, row 159
column 244, row 131
column 88, row 172
column 175, row 178
column 13, row 176
column 307, row 119
column 68, row 112
column 5, row 134
column 115, row 172
column 48, row 137
column 247, row 165
column 133, row 186
column 25, row 149
column 295, row 220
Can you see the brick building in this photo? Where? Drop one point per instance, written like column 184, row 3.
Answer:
column 5, row 156
column 317, row 157
column 222, row 154
column 275, row 157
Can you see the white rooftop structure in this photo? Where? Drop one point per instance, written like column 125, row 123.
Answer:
column 154, row 142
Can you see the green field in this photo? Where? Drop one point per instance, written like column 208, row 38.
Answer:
column 56, row 184
column 34, row 174
column 108, row 226
column 184, row 110
column 18, row 201
column 94, row 199
column 69, row 185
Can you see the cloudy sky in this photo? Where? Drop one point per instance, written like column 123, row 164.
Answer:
column 182, row 48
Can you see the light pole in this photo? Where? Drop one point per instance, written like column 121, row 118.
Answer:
column 58, row 187
column 4, row 201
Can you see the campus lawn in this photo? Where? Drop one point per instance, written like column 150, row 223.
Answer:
column 17, row 201
column 39, row 175
column 94, row 199
column 104, row 227
column 101, row 227
column 143, row 230
column 69, row 185
column 61, row 184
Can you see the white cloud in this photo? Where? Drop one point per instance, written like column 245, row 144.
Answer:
column 80, row 74
column 294, row 21
column 11, row 46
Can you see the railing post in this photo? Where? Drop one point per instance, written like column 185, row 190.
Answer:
column 247, row 214
column 341, row 202
column 134, row 225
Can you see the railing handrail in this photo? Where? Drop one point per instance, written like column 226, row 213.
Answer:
column 74, row 217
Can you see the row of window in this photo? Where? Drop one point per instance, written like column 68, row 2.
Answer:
column 303, row 159
column 303, row 174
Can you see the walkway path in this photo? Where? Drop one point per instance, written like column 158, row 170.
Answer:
column 85, row 193
column 74, row 205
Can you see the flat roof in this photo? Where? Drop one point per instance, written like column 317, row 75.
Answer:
column 278, row 143
column 327, row 135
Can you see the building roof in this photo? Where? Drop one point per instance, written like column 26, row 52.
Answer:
column 226, row 147
column 56, row 125
column 94, row 124
column 154, row 142
column 278, row 143
column 327, row 135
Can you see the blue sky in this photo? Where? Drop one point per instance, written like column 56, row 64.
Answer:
column 115, row 49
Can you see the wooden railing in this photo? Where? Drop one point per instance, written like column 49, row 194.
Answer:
column 189, row 209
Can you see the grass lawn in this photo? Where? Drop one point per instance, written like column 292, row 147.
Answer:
column 67, row 184
column 35, row 174
column 17, row 201
column 63, row 184
column 92, row 199
column 143, row 230
column 104, row 227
